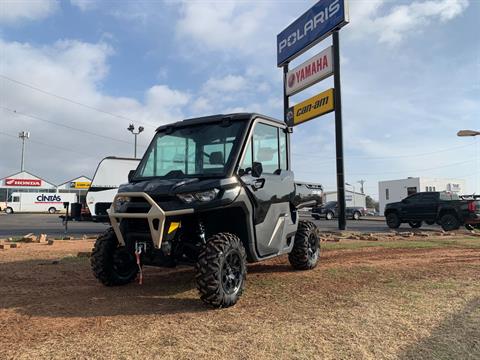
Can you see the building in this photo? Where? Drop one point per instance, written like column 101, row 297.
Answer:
column 24, row 181
column 396, row 190
column 352, row 199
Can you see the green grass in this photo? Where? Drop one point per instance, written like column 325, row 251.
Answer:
column 430, row 243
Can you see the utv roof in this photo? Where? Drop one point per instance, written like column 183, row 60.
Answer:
column 217, row 118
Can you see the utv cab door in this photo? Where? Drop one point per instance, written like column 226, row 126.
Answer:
column 270, row 185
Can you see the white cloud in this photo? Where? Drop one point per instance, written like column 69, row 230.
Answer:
column 84, row 5
column 229, row 83
column 222, row 25
column 13, row 11
column 74, row 70
column 398, row 22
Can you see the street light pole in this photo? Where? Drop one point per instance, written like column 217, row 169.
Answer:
column 24, row 135
column 463, row 133
column 131, row 128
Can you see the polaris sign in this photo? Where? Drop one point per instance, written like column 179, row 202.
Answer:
column 310, row 28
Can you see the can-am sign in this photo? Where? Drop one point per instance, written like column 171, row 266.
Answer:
column 317, row 105
column 310, row 72
column 310, row 28
column 23, row 182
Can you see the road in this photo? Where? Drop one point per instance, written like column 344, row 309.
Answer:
column 21, row 224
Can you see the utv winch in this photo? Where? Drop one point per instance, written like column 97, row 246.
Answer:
column 214, row 192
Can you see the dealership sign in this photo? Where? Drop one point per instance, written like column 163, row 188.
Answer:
column 311, row 108
column 310, row 28
column 23, row 182
column 80, row 184
column 310, row 72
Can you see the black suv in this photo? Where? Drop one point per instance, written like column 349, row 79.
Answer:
column 330, row 211
column 445, row 209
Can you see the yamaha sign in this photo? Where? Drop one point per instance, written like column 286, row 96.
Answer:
column 310, row 28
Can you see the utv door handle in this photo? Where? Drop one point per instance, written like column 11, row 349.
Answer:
column 258, row 184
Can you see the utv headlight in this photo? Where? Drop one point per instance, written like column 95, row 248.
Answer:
column 202, row 196
column 120, row 203
column 208, row 195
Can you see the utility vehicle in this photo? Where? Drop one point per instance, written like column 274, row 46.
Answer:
column 215, row 192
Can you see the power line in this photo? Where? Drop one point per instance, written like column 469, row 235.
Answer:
column 394, row 172
column 65, row 126
column 71, row 100
column 52, row 146
column 385, row 157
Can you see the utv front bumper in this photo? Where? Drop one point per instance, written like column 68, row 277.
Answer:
column 155, row 217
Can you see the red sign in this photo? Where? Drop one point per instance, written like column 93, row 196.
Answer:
column 23, row 182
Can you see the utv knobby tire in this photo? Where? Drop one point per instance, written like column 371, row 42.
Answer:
column 449, row 222
column 221, row 270
column 112, row 264
column 306, row 247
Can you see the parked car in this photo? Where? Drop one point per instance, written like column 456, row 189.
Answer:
column 329, row 211
column 446, row 209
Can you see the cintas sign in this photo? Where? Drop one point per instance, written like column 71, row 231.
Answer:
column 310, row 28
column 310, row 72
column 23, row 182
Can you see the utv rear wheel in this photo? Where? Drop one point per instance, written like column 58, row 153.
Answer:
column 449, row 222
column 112, row 264
column 221, row 270
column 393, row 221
column 306, row 247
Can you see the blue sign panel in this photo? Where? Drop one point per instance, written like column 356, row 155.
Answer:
column 310, row 28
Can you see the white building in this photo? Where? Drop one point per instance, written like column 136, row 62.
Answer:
column 396, row 190
column 351, row 199
column 26, row 182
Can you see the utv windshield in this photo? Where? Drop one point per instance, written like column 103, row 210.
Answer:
column 197, row 150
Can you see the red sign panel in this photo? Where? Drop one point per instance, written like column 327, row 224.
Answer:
column 23, row 182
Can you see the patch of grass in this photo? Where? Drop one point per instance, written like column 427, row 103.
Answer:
column 73, row 259
column 16, row 239
column 430, row 243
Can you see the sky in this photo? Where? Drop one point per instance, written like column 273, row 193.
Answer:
column 76, row 73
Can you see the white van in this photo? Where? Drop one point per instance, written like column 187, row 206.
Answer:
column 38, row 202
column 110, row 174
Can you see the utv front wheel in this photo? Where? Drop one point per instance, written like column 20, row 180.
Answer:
column 306, row 247
column 112, row 264
column 221, row 270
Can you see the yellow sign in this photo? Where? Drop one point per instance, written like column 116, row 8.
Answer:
column 320, row 104
column 81, row 184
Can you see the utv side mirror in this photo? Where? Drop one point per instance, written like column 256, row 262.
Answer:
column 257, row 169
column 130, row 175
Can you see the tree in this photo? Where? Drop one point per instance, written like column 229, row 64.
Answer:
column 371, row 203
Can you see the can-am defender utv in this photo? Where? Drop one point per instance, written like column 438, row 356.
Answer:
column 214, row 192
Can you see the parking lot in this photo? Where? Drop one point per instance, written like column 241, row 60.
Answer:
column 21, row 224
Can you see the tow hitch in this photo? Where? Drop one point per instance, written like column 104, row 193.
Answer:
column 140, row 247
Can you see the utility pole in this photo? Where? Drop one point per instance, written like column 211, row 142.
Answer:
column 24, row 135
column 131, row 128
column 361, row 182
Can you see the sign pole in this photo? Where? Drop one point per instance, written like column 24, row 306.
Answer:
column 285, row 96
column 339, row 132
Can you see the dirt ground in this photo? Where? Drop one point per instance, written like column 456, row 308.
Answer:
column 413, row 298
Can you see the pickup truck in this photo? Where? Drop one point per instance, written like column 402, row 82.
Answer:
column 445, row 209
column 330, row 210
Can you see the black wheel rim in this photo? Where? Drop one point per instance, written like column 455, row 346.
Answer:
column 232, row 273
column 123, row 262
column 312, row 246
